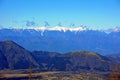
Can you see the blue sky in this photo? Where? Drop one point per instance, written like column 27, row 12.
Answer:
column 96, row 14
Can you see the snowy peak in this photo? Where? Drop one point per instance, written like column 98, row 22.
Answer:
column 56, row 28
column 60, row 28
column 117, row 29
column 63, row 39
column 63, row 29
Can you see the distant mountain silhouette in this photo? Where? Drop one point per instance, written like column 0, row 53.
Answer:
column 64, row 41
column 13, row 56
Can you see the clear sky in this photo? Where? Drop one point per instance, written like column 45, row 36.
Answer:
column 96, row 14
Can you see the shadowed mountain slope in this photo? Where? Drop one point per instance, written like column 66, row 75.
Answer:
column 15, row 57
column 114, row 57
column 72, row 61
column 87, row 60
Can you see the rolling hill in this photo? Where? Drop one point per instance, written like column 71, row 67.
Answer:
column 87, row 60
column 72, row 61
column 13, row 56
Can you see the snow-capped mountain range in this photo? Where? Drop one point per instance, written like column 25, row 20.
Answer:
column 58, row 28
column 62, row 39
column 64, row 29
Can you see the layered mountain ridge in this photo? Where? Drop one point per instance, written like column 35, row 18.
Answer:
column 58, row 40
column 13, row 56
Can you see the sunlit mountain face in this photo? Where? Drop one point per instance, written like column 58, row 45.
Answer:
column 62, row 39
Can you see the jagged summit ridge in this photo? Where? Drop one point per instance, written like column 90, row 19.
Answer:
column 43, row 29
column 64, row 29
column 56, row 28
